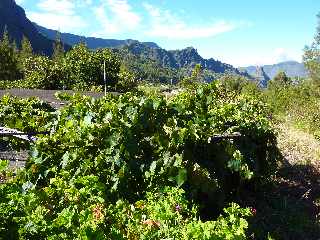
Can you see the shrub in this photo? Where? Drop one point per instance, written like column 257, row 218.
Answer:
column 137, row 167
column 27, row 115
column 297, row 102
column 30, row 114
column 43, row 73
column 240, row 85
column 127, row 81
column 85, row 68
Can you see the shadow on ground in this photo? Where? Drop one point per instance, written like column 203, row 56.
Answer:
column 289, row 206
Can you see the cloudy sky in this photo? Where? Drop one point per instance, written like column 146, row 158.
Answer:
column 239, row 32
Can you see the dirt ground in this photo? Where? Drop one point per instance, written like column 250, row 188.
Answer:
column 288, row 207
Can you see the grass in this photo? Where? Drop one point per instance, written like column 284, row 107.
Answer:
column 297, row 146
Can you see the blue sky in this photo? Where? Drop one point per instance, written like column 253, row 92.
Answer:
column 239, row 32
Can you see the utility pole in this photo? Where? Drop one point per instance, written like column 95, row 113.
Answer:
column 104, row 77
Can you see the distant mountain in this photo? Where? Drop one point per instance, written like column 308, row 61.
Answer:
column 13, row 18
column 169, row 61
column 92, row 43
column 147, row 69
column 155, row 63
column 291, row 68
column 183, row 60
column 160, row 65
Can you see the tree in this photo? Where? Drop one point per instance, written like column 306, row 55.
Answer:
column 26, row 48
column 282, row 78
column 195, row 78
column 58, row 49
column 25, row 52
column 238, row 84
column 127, row 80
column 311, row 57
column 85, row 67
column 43, row 73
column 8, row 59
column 280, row 81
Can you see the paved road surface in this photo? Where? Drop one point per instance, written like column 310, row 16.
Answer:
column 45, row 95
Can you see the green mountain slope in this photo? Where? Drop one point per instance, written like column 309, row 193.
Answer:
column 13, row 18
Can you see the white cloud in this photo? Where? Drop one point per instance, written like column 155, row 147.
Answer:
column 19, row 2
column 116, row 17
column 277, row 55
column 57, row 6
column 123, row 13
column 282, row 55
column 61, row 22
column 58, row 14
column 88, row 2
column 166, row 25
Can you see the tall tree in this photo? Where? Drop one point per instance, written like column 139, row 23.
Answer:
column 8, row 59
column 5, row 38
column 195, row 78
column 58, row 49
column 26, row 48
column 311, row 57
column 25, row 52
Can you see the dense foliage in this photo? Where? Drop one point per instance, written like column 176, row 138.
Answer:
column 9, row 67
column 138, row 167
column 43, row 73
column 146, row 69
column 79, row 68
column 85, row 68
column 29, row 115
column 297, row 102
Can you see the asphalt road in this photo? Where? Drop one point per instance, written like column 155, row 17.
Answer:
column 45, row 95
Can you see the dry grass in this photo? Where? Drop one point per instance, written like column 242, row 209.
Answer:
column 288, row 207
column 297, row 146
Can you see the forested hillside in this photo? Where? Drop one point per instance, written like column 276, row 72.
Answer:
column 92, row 43
column 14, row 20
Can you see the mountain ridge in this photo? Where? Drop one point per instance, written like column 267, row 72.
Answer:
column 291, row 68
column 13, row 19
column 92, row 42
column 182, row 61
column 183, row 58
column 175, row 59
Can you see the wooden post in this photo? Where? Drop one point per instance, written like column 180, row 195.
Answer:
column 104, row 77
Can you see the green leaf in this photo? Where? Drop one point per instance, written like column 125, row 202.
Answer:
column 4, row 164
column 181, row 178
column 65, row 159
column 87, row 120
